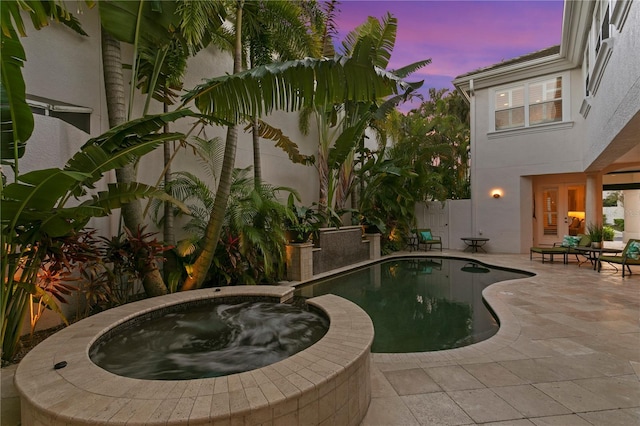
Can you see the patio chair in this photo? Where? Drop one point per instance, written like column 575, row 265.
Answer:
column 564, row 248
column 630, row 256
column 585, row 241
column 551, row 251
column 426, row 238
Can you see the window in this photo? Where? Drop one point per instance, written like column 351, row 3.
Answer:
column 545, row 101
column 510, row 108
column 530, row 104
column 77, row 116
column 599, row 45
column 601, row 23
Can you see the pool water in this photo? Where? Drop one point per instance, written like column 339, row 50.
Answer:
column 420, row 304
column 210, row 340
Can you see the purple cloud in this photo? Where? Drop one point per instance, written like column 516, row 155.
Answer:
column 459, row 36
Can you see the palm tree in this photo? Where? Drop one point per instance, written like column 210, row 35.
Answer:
column 273, row 30
column 289, row 86
column 342, row 126
column 163, row 35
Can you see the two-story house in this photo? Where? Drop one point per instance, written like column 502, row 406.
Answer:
column 551, row 129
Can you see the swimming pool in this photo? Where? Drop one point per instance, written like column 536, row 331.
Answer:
column 420, row 304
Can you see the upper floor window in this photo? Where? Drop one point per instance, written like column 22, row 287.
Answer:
column 530, row 103
column 77, row 116
column 599, row 46
column 601, row 23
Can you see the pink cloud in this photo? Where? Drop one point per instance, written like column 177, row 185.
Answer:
column 460, row 36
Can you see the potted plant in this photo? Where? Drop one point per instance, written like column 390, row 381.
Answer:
column 596, row 233
column 301, row 222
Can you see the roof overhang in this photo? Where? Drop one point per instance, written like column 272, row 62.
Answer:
column 576, row 19
column 515, row 72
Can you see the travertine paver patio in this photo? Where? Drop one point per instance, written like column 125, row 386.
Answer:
column 567, row 353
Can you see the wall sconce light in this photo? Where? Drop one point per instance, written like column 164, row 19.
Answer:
column 496, row 193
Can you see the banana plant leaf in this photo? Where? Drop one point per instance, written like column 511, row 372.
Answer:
column 130, row 132
column 15, row 114
column 292, row 85
column 283, row 142
column 123, row 19
column 37, row 191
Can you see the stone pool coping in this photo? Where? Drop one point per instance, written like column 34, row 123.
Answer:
column 328, row 382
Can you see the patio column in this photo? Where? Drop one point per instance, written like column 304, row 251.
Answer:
column 631, row 214
column 299, row 261
column 593, row 201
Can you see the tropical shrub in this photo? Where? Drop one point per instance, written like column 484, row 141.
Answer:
column 114, row 277
column 251, row 246
column 608, row 233
column 618, row 224
column 301, row 221
column 35, row 210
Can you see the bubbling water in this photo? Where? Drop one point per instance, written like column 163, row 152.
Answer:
column 209, row 341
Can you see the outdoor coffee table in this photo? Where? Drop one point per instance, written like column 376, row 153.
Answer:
column 474, row 243
column 593, row 254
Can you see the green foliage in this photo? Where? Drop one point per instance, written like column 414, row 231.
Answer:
column 436, row 137
column 596, row 232
column 251, row 247
column 15, row 114
column 611, row 200
column 618, row 224
column 608, row 233
column 114, row 276
column 292, row 85
column 302, row 221
column 387, row 201
column 35, row 213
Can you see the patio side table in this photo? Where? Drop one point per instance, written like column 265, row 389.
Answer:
column 593, row 254
column 474, row 243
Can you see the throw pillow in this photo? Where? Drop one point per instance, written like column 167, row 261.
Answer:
column 426, row 235
column 633, row 251
column 570, row 241
column 585, row 240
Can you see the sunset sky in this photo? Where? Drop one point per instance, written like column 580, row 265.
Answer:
column 459, row 36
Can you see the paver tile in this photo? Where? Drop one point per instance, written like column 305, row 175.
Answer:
column 436, row 409
column 388, row 411
column 624, row 391
column 494, row 374
column 612, row 417
column 483, row 405
column 530, row 401
column 414, row 381
column 568, row 420
column 574, row 397
column 454, row 377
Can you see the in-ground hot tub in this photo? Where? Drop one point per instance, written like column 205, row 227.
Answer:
column 327, row 382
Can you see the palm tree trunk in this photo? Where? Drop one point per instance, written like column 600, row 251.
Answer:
column 257, row 168
column 214, row 226
column 114, row 93
column 170, row 264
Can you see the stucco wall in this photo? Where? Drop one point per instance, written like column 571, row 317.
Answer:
column 617, row 99
column 505, row 160
column 66, row 67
